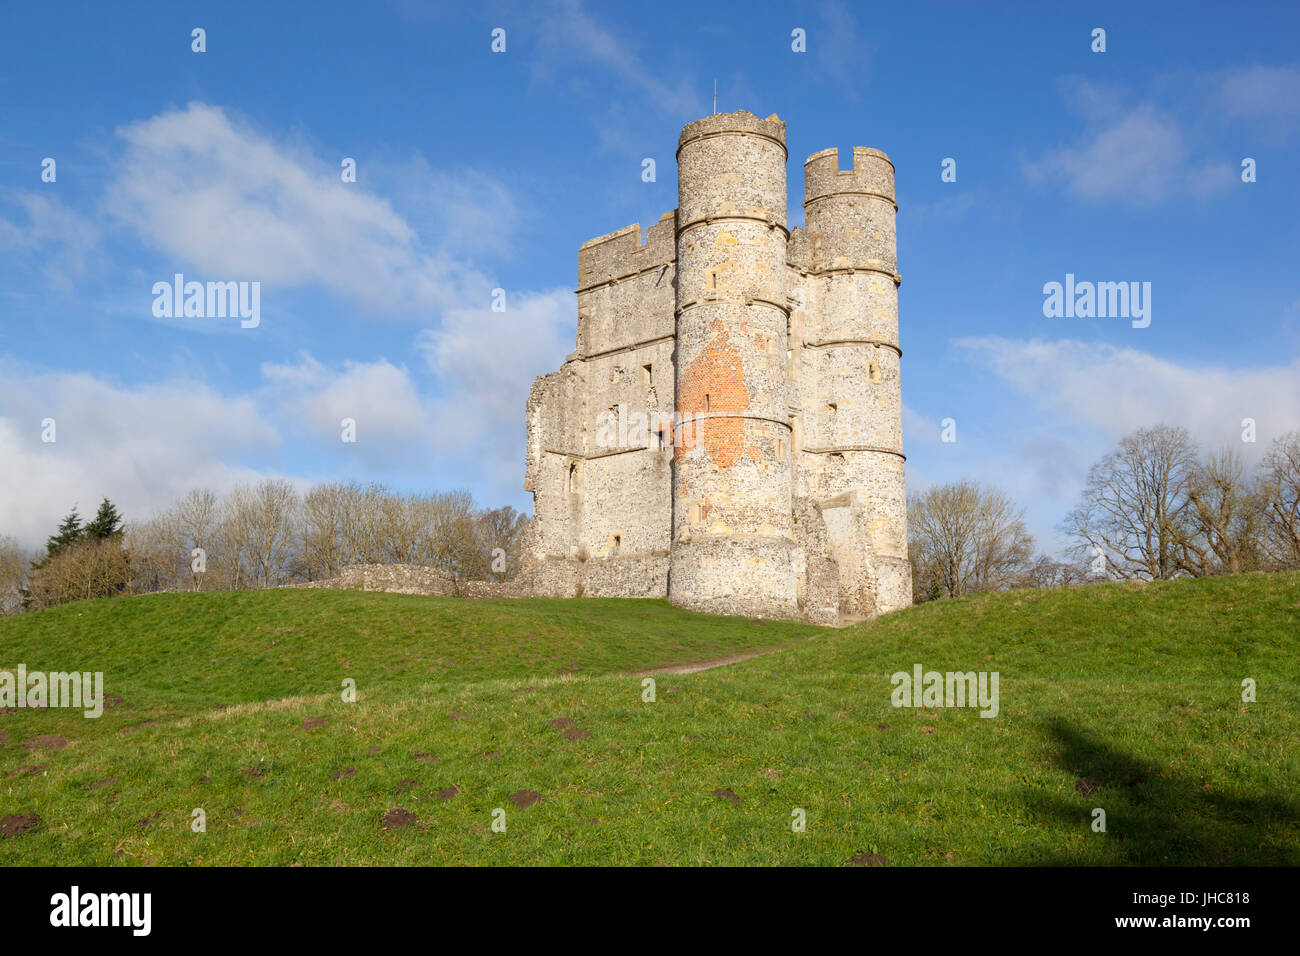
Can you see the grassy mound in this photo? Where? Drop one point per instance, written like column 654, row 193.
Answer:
column 1118, row 697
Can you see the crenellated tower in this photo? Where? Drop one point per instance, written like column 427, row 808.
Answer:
column 769, row 479
column 852, row 395
column 732, row 546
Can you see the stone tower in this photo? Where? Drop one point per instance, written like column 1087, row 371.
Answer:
column 732, row 549
column 728, row 433
column 851, row 336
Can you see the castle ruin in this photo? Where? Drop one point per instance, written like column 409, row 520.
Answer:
column 728, row 432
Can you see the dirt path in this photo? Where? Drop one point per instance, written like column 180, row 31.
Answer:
column 709, row 665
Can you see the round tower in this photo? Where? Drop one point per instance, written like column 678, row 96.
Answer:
column 857, row 429
column 732, row 546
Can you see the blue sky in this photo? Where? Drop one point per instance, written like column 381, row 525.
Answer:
column 478, row 170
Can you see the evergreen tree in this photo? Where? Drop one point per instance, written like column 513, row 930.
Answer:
column 106, row 523
column 70, row 530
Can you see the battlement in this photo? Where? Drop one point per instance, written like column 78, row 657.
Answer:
column 872, row 174
column 617, row 255
column 741, row 121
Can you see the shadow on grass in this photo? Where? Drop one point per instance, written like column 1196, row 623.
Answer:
column 1156, row 818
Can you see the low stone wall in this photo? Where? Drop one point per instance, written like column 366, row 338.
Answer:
column 415, row 579
column 493, row 589
column 629, row 576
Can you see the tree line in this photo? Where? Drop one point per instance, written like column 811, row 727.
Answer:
column 262, row 535
column 1152, row 509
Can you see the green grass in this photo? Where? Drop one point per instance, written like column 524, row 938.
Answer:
column 1132, row 691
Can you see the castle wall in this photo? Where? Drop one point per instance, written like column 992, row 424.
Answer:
column 781, row 492
column 601, row 482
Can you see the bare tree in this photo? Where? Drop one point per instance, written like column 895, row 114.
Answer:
column 1281, row 501
column 396, row 527
column 350, row 524
column 265, row 534
column 14, row 562
column 163, row 549
column 1224, row 518
column 500, row 533
column 193, row 524
column 154, row 563
column 964, row 538
column 90, row 568
column 1047, row 572
column 330, row 528
column 258, row 532
column 448, row 537
column 1133, row 513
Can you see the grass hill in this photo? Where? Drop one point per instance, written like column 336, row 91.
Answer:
column 1122, row 697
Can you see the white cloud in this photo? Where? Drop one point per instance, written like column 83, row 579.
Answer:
column 919, row 428
column 59, row 237
column 569, row 34
column 216, row 195
column 1118, row 390
column 1138, row 152
column 1049, row 466
column 382, row 400
column 458, row 213
column 836, row 47
column 221, row 200
column 141, row 446
column 1058, row 407
column 485, row 363
column 1269, row 93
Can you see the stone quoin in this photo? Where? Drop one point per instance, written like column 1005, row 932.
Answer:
column 772, row 357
